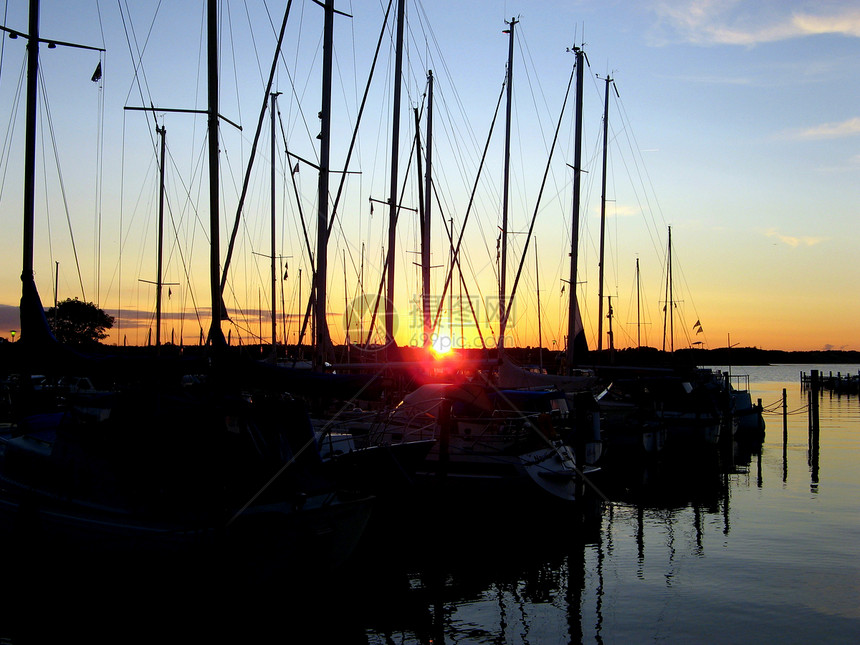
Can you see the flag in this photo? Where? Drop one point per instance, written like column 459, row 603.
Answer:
column 697, row 324
column 700, row 330
column 97, row 75
column 562, row 288
column 296, row 168
column 169, row 292
column 286, row 270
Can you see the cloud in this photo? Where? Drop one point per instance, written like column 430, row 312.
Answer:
column 793, row 241
column 617, row 210
column 847, row 128
column 731, row 22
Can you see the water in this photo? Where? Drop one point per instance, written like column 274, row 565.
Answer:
column 762, row 545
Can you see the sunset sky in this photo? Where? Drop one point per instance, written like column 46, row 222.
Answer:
column 735, row 123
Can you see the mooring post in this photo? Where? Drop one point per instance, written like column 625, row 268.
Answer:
column 784, row 435
column 784, row 416
column 813, row 410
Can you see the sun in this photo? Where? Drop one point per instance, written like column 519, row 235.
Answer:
column 442, row 345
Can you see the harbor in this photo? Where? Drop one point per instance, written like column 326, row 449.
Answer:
column 754, row 544
column 337, row 444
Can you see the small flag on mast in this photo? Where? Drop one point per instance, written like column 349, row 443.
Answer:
column 97, row 75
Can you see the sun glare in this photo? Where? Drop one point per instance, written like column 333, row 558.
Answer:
column 442, row 346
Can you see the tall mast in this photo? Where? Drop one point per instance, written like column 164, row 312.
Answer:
column 638, row 301
column 574, row 237
column 274, row 98
column 671, row 296
column 392, row 195
column 425, row 222
column 162, row 132
column 506, row 188
column 609, row 316
column 607, row 80
column 27, row 273
column 537, row 289
column 216, row 336
column 320, row 323
column 668, row 313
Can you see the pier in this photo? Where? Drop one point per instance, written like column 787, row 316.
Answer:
column 838, row 383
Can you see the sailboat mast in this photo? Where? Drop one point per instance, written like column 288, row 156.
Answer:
column 574, row 236
column 505, row 190
column 320, row 325
column 392, row 199
column 216, row 336
column 638, row 313
column 27, row 273
column 537, row 289
column 671, row 297
column 607, row 80
column 162, row 132
column 669, row 304
column 274, row 98
column 425, row 224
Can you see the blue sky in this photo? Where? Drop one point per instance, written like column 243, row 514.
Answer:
column 736, row 123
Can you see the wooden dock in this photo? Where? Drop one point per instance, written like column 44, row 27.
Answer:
column 838, row 383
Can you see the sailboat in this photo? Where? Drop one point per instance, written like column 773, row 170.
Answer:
column 205, row 474
column 486, row 434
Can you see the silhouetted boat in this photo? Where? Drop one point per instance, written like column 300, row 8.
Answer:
column 225, row 470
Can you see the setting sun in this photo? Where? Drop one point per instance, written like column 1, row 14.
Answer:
column 442, row 345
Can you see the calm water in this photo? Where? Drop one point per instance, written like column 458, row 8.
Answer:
column 759, row 545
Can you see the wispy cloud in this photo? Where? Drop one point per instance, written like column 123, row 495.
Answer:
column 839, row 130
column 793, row 241
column 732, row 22
column 617, row 210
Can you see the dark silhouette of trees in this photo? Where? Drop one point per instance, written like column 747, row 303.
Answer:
column 75, row 322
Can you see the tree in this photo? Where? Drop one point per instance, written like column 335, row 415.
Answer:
column 78, row 323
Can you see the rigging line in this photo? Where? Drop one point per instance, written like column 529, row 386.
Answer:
column 450, row 234
column 651, row 226
column 448, row 74
column 472, row 197
column 358, row 120
column 118, row 270
column 397, row 210
column 179, row 247
column 233, row 54
column 355, row 131
column 253, row 39
column 60, row 178
column 292, row 83
column 100, row 124
column 631, row 135
column 138, row 60
column 3, row 43
column 537, row 208
column 138, row 64
column 100, row 148
column 47, row 199
column 523, row 49
column 260, row 121
column 10, row 126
